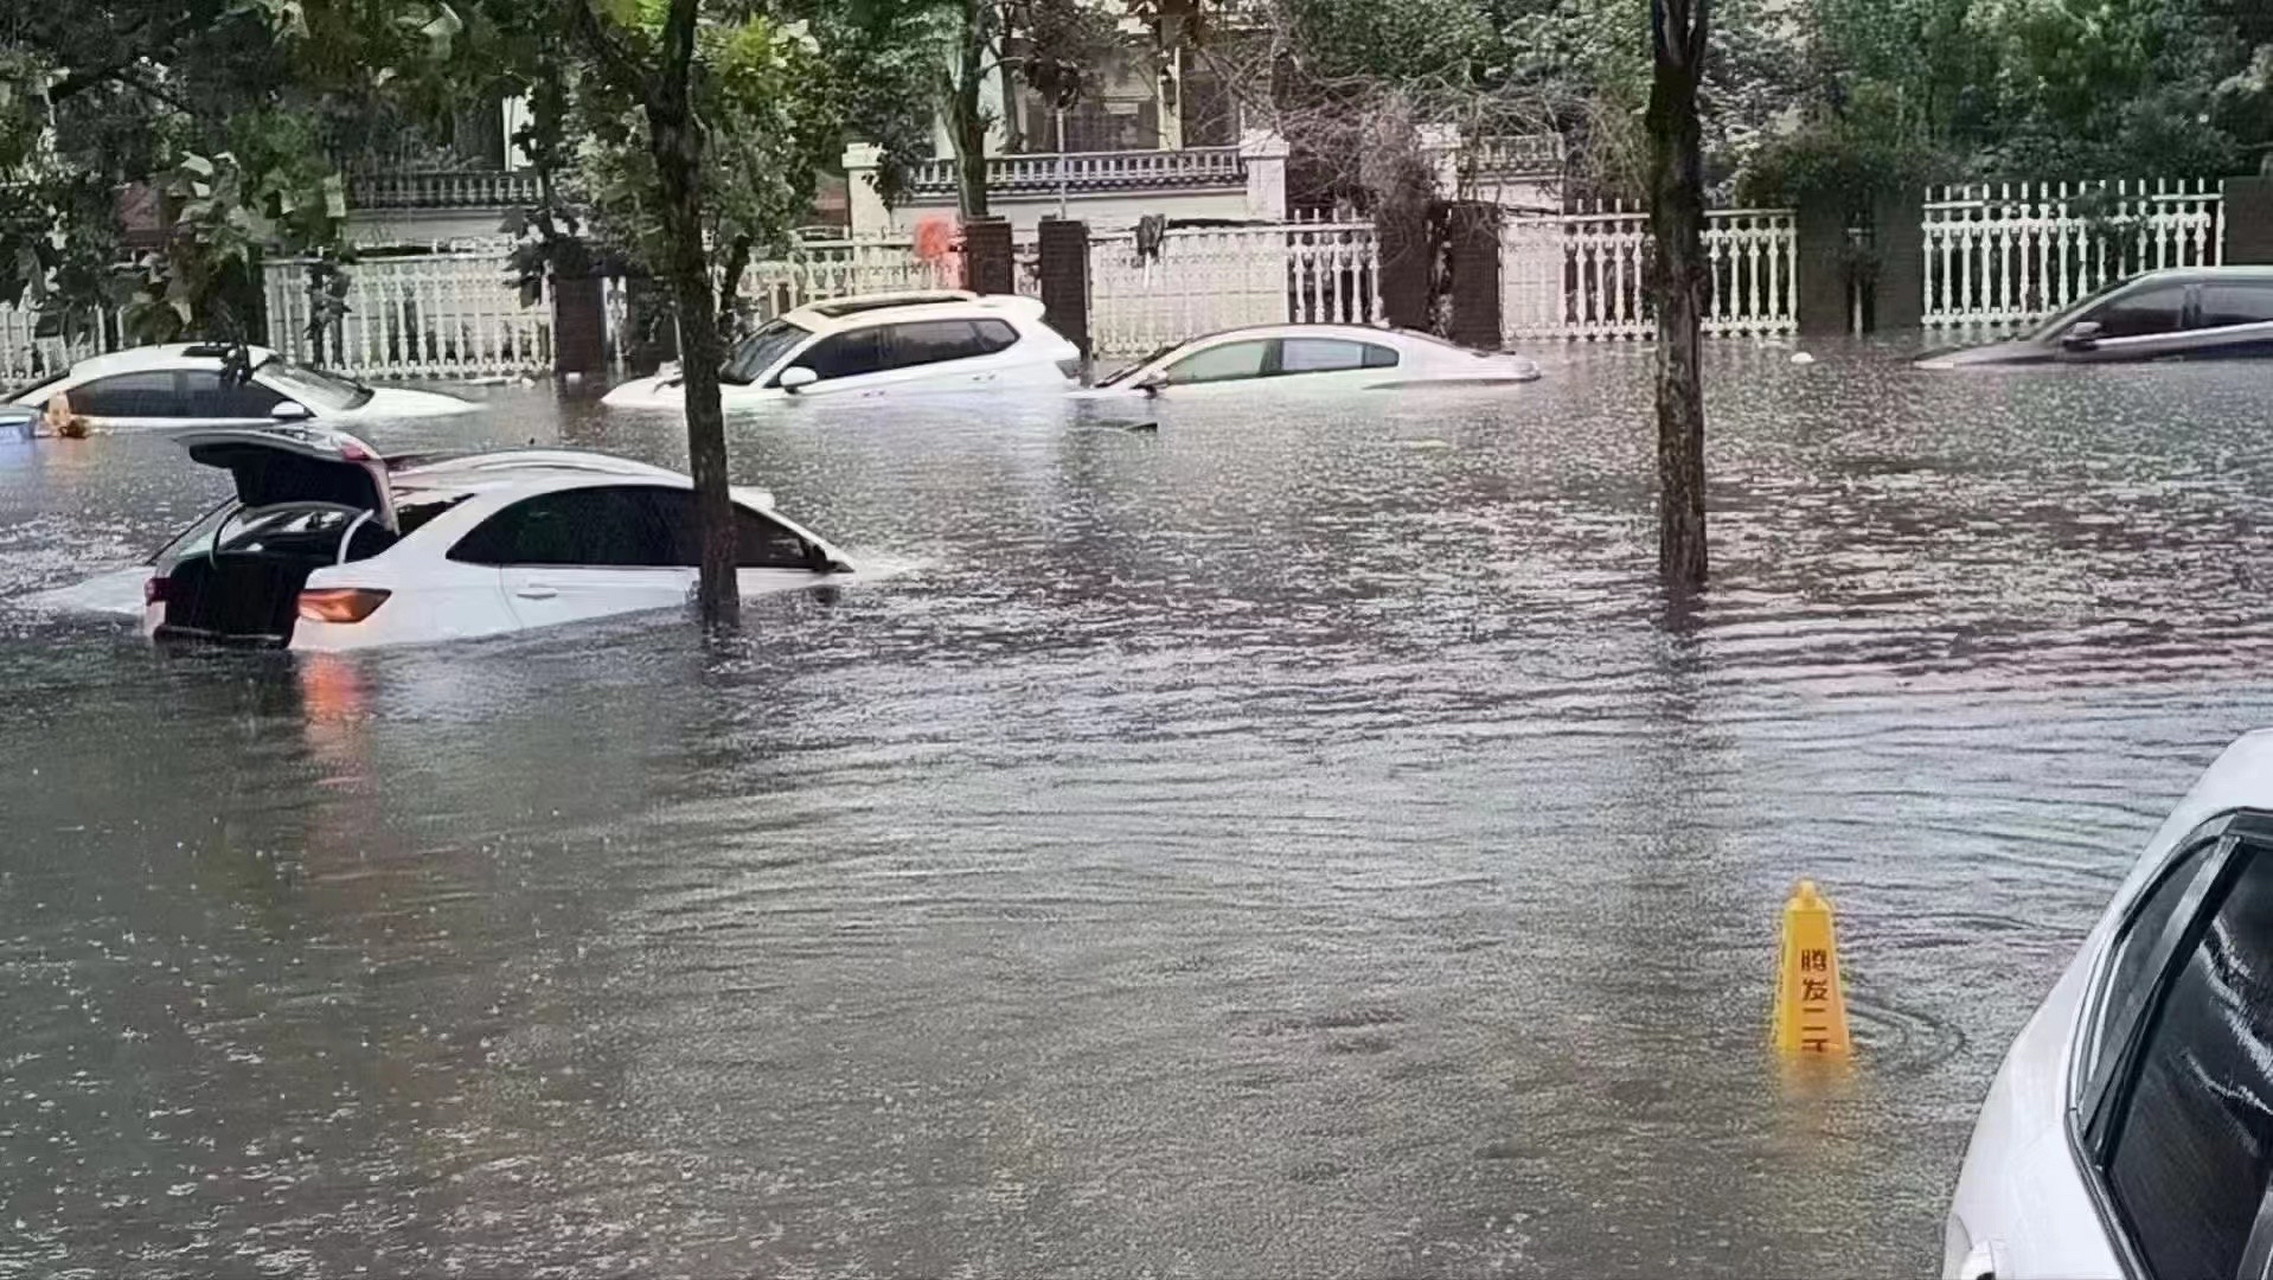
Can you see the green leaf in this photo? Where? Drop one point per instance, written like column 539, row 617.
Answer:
column 197, row 164
column 624, row 13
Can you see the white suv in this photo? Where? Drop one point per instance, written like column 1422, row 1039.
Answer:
column 886, row 344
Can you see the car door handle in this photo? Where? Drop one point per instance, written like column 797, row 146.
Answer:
column 536, row 591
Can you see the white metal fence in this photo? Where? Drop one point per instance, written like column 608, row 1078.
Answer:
column 1581, row 275
column 26, row 356
column 2001, row 252
column 1202, row 279
column 431, row 316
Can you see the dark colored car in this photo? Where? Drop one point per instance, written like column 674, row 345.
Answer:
column 2192, row 313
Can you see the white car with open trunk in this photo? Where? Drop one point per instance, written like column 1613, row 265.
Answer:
column 326, row 545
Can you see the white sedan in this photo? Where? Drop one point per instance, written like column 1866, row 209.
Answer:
column 1331, row 358
column 2129, row 1132
column 192, row 384
column 328, row 546
column 881, row 345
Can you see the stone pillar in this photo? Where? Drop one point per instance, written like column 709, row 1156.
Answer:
column 1407, row 262
column 1898, row 293
column 2249, row 221
column 1064, row 246
column 1440, row 148
column 864, row 204
column 988, row 266
column 1821, row 228
column 1264, row 153
column 579, row 325
column 1474, row 228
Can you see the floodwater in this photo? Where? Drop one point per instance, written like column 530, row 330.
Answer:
column 1289, row 842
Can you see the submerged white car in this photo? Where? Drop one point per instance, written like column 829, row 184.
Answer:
column 328, row 546
column 1271, row 359
column 885, row 344
column 190, row 384
column 2129, row 1133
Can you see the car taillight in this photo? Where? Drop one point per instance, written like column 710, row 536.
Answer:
column 155, row 590
column 340, row 604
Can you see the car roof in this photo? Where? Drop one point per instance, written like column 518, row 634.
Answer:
column 2237, row 271
column 171, row 355
column 831, row 314
column 513, row 473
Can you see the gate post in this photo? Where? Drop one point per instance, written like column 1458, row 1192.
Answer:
column 1474, row 227
column 1406, row 263
column 987, row 263
column 2248, row 215
column 1898, row 293
column 1064, row 246
column 1821, row 229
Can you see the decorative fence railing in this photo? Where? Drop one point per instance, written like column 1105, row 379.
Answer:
column 834, row 269
column 1200, row 280
column 2003, row 252
column 1093, row 171
column 430, row 316
column 1581, row 275
column 443, row 189
column 26, row 356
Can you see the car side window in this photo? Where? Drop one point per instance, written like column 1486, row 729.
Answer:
column 2127, row 975
column 2229, row 304
column 931, row 342
column 759, row 543
column 2138, row 315
column 1230, row 361
column 1380, row 357
column 846, row 355
column 995, row 335
column 612, row 526
column 149, row 394
column 205, row 394
column 2193, row 1144
column 1319, row 355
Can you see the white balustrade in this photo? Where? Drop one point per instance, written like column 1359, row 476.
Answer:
column 428, row 316
column 442, row 189
column 1206, row 279
column 1094, row 171
column 1582, row 275
column 2013, row 251
column 27, row 357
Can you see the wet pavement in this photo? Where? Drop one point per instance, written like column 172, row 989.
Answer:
column 1291, row 841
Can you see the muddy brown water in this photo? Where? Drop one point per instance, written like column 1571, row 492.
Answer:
column 1288, row 842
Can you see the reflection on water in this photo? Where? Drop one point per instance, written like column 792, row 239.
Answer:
column 1283, row 842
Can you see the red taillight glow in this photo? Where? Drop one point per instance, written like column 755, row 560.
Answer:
column 154, row 590
column 340, row 604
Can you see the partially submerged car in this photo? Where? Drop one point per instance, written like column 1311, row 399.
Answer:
column 212, row 384
column 2192, row 313
column 326, row 545
column 1311, row 357
column 2129, row 1133
column 880, row 345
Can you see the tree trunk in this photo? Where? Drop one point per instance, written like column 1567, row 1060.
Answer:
column 675, row 139
column 730, row 287
column 1677, row 287
column 966, row 123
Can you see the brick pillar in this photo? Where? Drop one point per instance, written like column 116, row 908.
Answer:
column 1064, row 248
column 2249, row 221
column 579, row 325
column 1898, row 293
column 1822, row 272
column 1406, row 262
column 987, row 264
column 1475, row 230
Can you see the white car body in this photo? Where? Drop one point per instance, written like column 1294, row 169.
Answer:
column 881, row 345
column 182, row 385
column 2048, row 1188
column 1308, row 358
column 442, row 547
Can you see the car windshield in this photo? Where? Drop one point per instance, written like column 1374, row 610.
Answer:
column 313, row 387
column 1123, row 375
column 2060, row 322
column 755, row 354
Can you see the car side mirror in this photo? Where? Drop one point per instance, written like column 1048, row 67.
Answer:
column 797, row 377
column 1151, row 383
column 2083, row 335
column 289, row 411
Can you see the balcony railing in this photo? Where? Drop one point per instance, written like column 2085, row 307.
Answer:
column 455, row 189
column 1195, row 167
column 1528, row 153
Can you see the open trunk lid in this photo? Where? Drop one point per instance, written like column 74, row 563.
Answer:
column 297, row 464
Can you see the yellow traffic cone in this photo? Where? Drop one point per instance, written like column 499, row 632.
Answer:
column 1811, row 1004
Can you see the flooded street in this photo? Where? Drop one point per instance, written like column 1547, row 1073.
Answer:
column 1291, row 841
